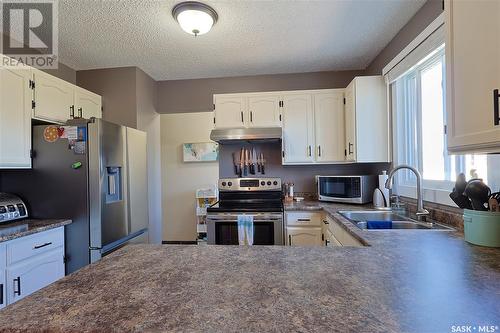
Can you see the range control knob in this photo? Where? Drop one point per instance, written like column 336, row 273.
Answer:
column 230, row 184
column 262, row 183
column 223, row 183
column 275, row 183
column 268, row 183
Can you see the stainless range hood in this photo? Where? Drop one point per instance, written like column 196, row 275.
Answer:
column 237, row 135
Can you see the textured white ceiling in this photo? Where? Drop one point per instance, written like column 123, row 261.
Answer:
column 251, row 37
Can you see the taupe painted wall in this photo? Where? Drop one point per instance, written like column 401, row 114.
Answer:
column 117, row 86
column 301, row 175
column 428, row 13
column 180, row 96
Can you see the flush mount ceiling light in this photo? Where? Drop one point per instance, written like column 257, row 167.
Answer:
column 195, row 18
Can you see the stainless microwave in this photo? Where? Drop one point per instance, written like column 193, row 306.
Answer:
column 347, row 189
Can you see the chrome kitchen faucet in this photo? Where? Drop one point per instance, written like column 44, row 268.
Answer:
column 421, row 211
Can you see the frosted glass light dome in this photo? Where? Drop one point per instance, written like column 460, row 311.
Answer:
column 195, row 18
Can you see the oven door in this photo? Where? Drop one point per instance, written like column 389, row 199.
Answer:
column 346, row 189
column 222, row 228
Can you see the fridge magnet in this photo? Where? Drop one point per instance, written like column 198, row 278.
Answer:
column 51, row 133
column 200, row 152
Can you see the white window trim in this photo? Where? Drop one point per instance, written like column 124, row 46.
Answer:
column 432, row 191
column 429, row 30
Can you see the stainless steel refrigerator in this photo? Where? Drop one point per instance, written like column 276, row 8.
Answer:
column 95, row 174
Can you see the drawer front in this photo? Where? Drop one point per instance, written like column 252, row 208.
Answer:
column 303, row 219
column 26, row 247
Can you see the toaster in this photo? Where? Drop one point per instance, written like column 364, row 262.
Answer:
column 11, row 208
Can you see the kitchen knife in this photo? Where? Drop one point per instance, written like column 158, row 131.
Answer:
column 262, row 168
column 259, row 165
column 245, row 163
column 235, row 164
column 242, row 161
column 253, row 160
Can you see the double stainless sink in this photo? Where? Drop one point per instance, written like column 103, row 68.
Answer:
column 385, row 220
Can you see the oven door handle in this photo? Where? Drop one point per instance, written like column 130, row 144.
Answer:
column 236, row 221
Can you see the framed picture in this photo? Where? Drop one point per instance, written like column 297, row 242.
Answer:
column 200, row 152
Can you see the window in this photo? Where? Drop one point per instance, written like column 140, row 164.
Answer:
column 419, row 127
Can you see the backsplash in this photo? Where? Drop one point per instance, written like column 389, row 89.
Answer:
column 301, row 175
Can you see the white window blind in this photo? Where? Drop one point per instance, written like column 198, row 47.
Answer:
column 422, row 50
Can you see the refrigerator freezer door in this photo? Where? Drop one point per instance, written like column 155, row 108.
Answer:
column 137, row 178
column 108, row 186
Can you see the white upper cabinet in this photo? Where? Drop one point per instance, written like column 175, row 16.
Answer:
column 87, row 104
column 298, row 127
column 16, row 97
column 247, row 110
column 473, row 75
column 329, row 126
column 230, row 111
column 53, row 97
column 367, row 120
column 350, row 124
column 264, row 111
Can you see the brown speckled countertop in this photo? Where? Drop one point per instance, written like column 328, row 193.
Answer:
column 406, row 281
column 21, row 228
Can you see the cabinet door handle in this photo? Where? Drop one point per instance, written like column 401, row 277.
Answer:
column 350, row 145
column 325, row 222
column 310, row 153
column 1, row 293
column 80, row 111
column 319, row 150
column 72, row 111
column 290, row 240
column 251, row 116
column 242, row 116
column 496, row 107
column 36, row 247
column 18, row 282
column 304, row 220
column 326, row 242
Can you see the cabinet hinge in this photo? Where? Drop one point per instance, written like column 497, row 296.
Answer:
column 33, row 84
column 344, row 100
column 214, row 106
column 33, row 104
column 30, row 82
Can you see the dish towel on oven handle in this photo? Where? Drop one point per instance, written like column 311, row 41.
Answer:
column 245, row 229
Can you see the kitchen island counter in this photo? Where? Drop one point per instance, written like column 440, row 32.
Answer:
column 406, row 281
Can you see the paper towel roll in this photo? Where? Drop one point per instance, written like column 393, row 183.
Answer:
column 381, row 185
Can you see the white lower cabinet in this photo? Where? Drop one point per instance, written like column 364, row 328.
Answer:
column 303, row 229
column 33, row 274
column 303, row 236
column 31, row 263
column 3, row 294
column 341, row 236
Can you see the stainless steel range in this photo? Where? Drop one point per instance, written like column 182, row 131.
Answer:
column 259, row 197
